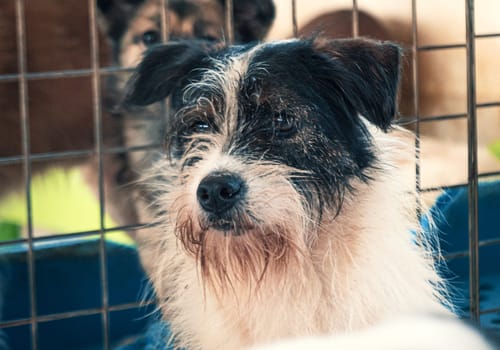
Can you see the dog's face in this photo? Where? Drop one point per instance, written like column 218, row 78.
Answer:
column 135, row 25
column 263, row 144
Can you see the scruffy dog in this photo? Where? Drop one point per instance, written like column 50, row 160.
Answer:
column 278, row 205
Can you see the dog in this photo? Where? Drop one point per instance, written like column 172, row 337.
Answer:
column 276, row 203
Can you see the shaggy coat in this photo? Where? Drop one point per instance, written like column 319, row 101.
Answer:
column 279, row 209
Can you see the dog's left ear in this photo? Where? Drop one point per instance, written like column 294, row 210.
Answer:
column 369, row 76
column 252, row 19
column 163, row 69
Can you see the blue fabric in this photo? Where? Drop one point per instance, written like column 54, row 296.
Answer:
column 450, row 215
column 67, row 277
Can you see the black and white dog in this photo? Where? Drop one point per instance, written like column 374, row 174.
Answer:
column 280, row 208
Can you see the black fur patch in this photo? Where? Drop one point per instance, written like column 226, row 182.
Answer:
column 165, row 68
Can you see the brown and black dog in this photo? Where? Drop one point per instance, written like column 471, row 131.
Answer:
column 60, row 111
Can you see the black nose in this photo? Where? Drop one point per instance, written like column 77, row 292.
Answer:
column 219, row 192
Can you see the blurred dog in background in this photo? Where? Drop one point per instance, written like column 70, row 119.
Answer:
column 60, row 110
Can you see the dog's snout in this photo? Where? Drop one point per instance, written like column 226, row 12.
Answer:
column 219, row 192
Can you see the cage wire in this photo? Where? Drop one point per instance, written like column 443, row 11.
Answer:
column 96, row 72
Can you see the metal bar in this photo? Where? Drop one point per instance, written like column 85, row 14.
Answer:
column 465, row 253
column 78, row 313
column 25, row 134
column 76, row 154
column 416, row 87
column 165, row 34
column 488, row 104
column 489, row 35
column 441, row 47
column 488, row 174
column 442, row 117
column 491, row 311
column 355, row 19
column 73, row 235
column 74, row 73
column 165, row 21
column 447, row 187
column 13, row 242
column 489, row 242
column 96, row 101
column 45, row 156
column 130, row 149
column 456, row 255
column 405, row 120
column 440, row 188
column 472, row 164
column 411, row 120
column 295, row 30
column 229, row 17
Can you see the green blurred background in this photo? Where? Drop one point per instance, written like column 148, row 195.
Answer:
column 61, row 203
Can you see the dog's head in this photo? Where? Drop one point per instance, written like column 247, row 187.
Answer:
column 135, row 25
column 263, row 143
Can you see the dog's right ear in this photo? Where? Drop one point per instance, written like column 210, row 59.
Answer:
column 113, row 16
column 163, row 69
column 365, row 72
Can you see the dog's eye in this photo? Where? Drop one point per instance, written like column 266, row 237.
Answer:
column 199, row 126
column 150, row 37
column 284, row 124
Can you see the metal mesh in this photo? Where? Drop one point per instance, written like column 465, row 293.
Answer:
column 96, row 73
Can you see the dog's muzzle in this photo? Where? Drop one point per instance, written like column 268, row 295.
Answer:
column 218, row 193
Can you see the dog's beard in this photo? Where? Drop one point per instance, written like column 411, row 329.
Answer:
column 226, row 259
column 259, row 243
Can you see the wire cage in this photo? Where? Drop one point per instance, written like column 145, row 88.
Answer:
column 81, row 287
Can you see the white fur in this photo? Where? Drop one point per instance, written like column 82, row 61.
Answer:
column 361, row 267
column 417, row 332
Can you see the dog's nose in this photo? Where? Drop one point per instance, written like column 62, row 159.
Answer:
column 219, row 192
